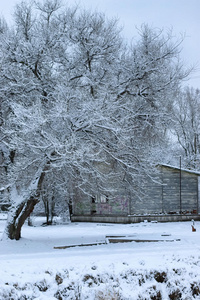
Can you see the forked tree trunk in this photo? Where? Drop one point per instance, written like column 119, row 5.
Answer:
column 18, row 217
column 20, row 212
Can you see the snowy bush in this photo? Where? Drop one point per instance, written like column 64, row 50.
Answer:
column 90, row 284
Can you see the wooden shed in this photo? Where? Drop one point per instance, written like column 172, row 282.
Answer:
column 171, row 194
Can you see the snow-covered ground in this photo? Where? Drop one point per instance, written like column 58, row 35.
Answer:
column 169, row 269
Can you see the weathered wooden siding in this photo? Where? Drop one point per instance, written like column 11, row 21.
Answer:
column 81, row 203
column 118, row 205
column 180, row 191
column 171, row 190
column 150, row 200
column 166, row 192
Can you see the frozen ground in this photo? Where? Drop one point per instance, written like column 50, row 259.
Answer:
column 32, row 269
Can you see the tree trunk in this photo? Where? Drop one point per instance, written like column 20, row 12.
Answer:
column 18, row 217
column 49, row 205
column 20, row 212
column 70, row 208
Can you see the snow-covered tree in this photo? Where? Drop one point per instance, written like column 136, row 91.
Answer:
column 81, row 103
column 186, row 125
column 5, row 155
column 29, row 78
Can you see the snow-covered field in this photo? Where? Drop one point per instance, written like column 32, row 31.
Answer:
column 32, row 269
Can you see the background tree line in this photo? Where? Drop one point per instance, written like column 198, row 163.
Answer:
column 81, row 109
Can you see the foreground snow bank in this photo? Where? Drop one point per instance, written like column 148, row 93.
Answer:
column 180, row 280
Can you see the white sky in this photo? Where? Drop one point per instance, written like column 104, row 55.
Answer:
column 182, row 15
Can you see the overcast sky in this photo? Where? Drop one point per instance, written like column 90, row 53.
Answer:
column 182, row 15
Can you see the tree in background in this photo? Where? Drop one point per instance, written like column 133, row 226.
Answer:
column 82, row 104
column 186, row 125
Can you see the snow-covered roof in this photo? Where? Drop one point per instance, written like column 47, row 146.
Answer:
column 182, row 169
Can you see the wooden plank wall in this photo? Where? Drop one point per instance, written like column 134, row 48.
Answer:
column 161, row 196
column 180, row 191
column 165, row 194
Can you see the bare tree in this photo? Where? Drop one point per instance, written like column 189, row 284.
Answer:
column 186, row 125
column 82, row 103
